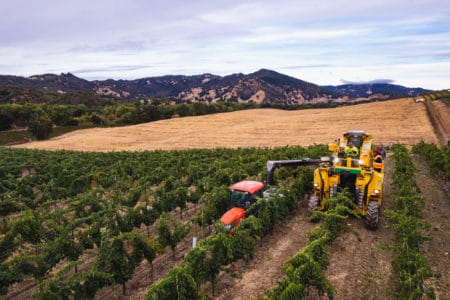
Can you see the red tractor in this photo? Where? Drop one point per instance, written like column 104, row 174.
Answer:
column 241, row 196
column 245, row 193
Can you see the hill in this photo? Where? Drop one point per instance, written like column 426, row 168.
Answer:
column 376, row 90
column 394, row 121
column 263, row 86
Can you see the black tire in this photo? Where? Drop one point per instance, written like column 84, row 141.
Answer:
column 359, row 197
column 372, row 218
column 313, row 203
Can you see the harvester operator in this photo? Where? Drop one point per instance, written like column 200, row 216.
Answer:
column 379, row 151
column 351, row 150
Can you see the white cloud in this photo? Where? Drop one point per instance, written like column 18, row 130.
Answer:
column 426, row 75
column 349, row 39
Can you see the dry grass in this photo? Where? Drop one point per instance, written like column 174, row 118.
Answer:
column 392, row 121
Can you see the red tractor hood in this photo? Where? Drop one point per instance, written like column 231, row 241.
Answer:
column 233, row 216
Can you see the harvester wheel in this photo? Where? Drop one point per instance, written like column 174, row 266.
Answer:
column 313, row 203
column 373, row 215
column 359, row 197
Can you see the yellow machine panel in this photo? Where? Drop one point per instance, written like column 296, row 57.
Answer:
column 352, row 166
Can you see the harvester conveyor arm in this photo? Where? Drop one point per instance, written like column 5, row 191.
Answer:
column 273, row 164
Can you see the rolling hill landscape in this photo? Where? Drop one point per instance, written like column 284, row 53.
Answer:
column 215, row 150
column 121, row 181
column 263, row 86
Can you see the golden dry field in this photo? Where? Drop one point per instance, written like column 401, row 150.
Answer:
column 393, row 121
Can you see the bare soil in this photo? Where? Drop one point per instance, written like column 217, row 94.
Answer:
column 402, row 121
column 436, row 213
column 439, row 114
column 249, row 280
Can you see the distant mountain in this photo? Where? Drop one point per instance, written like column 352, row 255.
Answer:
column 259, row 87
column 263, row 86
column 48, row 82
column 383, row 90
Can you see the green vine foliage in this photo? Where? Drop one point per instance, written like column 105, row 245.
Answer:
column 55, row 206
column 179, row 284
column 408, row 262
column 171, row 231
column 438, row 158
column 212, row 253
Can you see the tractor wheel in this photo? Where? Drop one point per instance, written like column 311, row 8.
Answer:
column 313, row 203
column 359, row 195
column 373, row 215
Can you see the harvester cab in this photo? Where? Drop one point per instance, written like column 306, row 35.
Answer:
column 240, row 197
column 357, row 171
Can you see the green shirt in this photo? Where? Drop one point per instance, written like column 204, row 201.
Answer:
column 351, row 151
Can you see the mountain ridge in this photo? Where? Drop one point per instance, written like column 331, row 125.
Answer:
column 262, row 86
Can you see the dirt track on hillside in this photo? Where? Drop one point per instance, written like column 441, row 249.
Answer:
column 439, row 114
column 389, row 122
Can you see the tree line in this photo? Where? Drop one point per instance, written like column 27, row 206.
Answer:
column 40, row 119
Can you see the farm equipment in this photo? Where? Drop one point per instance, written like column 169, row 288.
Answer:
column 361, row 174
column 244, row 194
column 240, row 197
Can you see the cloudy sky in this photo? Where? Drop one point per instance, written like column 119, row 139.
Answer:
column 404, row 42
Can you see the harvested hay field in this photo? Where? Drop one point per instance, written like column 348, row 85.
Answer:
column 393, row 121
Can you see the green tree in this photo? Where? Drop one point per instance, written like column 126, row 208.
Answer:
column 40, row 126
column 29, row 227
column 84, row 285
column 5, row 121
column 183, row 110
column 126, row 113
column 96, row 119
column 7, row 277
column 205, row 261
column 60, row 114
